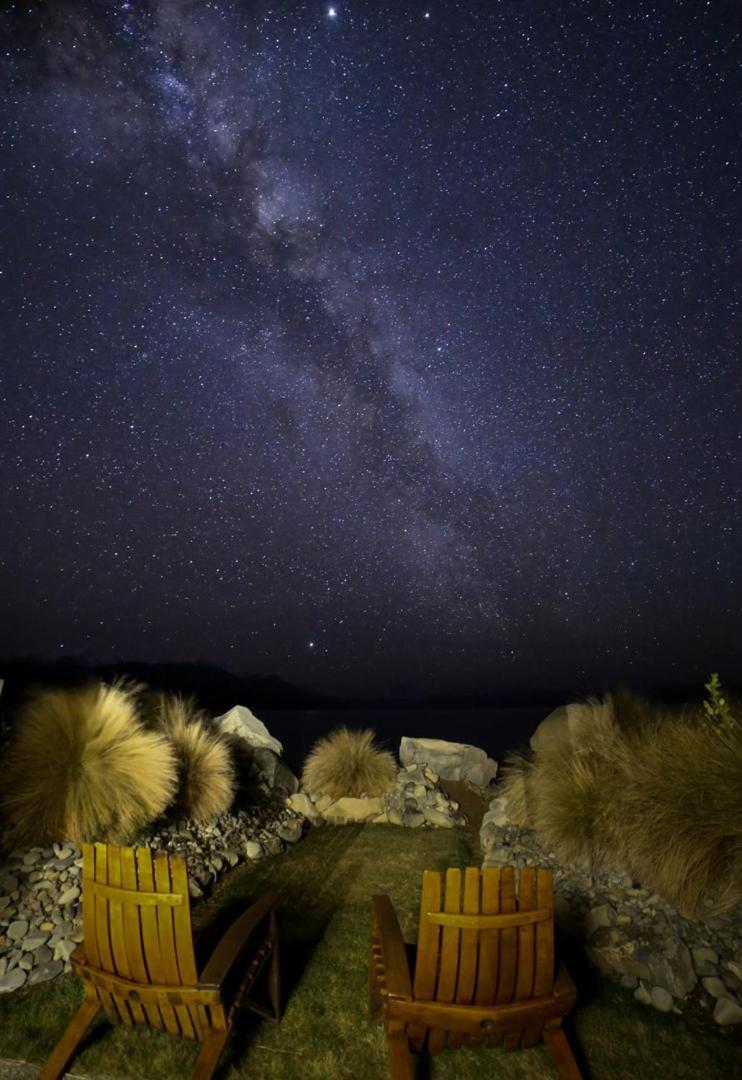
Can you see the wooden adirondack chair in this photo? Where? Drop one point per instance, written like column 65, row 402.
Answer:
column 137, row 958
column 484, row 970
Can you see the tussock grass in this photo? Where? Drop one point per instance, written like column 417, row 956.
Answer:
column 206, row 777
column 349, row 763
column 654, row 793
column 80, row 766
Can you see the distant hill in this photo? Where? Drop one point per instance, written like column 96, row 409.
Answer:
column 215, row 688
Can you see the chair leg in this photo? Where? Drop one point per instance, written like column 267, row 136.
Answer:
column 400, row 1061
column 211, row 1051
column 561, row 1054
column 56, row 1064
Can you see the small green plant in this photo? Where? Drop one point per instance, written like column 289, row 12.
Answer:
column 717, row 712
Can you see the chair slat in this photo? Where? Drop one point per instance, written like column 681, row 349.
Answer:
column 88, row 906
column 489, row 940
column 467, row 950
column 543, row 981
column 428, row 945
column 133, row 935
column 116, row 930
column 508, row 939
column 450, row 939
column 469, row 943
column 166, row 934
column 525, row 955
column 184, row 937
column 102, row 934
column 426, row 963
column 151, row 939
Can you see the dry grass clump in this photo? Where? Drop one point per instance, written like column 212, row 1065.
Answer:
column 80, row 766
column 206, row 778
column 681, row 812
column 654, row 793
column 349, row 763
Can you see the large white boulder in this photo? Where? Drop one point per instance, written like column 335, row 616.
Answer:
column 566, row 722
column 241, row 722
column 452, row 761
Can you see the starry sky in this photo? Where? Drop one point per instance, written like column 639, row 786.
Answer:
column 373, row 345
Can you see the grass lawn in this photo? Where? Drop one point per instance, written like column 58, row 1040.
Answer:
column 325, row 884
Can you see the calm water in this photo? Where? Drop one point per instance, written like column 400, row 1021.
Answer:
column 495, row 730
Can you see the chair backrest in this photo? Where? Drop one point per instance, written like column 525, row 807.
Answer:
column 492, row 945
column 136, row 915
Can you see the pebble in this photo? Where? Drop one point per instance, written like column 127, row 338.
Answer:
column 17, row 929
column 14, row 980
column 69, row 896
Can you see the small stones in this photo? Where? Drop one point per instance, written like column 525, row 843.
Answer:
column 64, row 949
column 705, row 960
column 714, row 986
column 253, row 849
column 14, row 980
column 17, row 930
column 660, row 998
column 290, row 831
column 33, row 941
column 727, row 1011
column 42, row 955
column 69, row 896
column 47, row 971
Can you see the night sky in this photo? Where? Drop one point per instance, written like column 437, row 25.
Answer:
column 373, row 344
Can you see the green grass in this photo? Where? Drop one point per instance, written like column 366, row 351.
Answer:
column 325, row 884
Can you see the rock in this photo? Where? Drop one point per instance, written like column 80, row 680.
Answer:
column 194, row 889
column 394, row 816
column 243, row 723
column 253, row 849
column 441, row 819
column 63, row 950
column 661, row 999
column 69, row 896
column 348, row 811
column 273, row 771
column 290, row 831
column 705, row 961
column 413, row 819
column 734, row 967
column 642, row 994
column 17, row 930
column 300, row 803
column 714, row 986
column 14, row 980
column 33, row 941
column 322, row 803
column 727, row 1011
column 42, row 955
column 628, row 982
column 46, row 972
column 604, row 915
column 452, row 761
column 564, row 724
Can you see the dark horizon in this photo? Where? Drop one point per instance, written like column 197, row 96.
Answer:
column 393, row 350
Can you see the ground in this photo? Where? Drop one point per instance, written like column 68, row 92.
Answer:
column 324, row 886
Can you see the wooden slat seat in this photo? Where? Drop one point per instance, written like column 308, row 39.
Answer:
column 137, row 958
column 484, row 971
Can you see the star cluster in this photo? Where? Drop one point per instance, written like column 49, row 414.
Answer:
column 373, row 343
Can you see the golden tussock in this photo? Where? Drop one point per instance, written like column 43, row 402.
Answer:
column 80, row 766
column 349, row 763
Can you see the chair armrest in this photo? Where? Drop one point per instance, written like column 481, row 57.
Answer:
column 232, row 943
column 393, row 953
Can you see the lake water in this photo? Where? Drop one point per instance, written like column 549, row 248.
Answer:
column 495, row 730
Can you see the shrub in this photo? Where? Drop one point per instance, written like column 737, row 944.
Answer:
column 206, row 779
column 679, row 813
column 657, row 794
column 349, row 763
column 80, row 766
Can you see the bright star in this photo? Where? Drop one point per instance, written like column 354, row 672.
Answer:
column 332, row 12
column 310, row 644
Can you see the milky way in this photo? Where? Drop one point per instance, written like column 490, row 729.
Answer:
column 373, row 345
